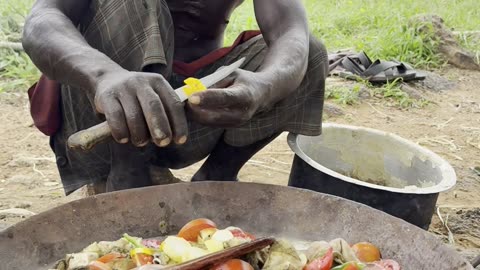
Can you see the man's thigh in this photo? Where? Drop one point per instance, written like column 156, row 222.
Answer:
column 300, row 113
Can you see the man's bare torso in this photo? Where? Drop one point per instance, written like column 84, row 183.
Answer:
column 199, row 25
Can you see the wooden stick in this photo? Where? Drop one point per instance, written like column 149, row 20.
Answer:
column 218, row 257
column 88, row 138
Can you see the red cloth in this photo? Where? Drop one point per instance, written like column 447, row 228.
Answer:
column 44, row 99
column 189, row 69
column 44, row 96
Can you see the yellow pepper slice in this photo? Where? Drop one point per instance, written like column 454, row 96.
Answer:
column 145, row 251
column 193, row 86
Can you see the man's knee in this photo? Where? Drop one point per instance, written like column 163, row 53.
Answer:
column 317, row 58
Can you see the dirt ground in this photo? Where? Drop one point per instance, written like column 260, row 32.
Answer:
column 449, row 125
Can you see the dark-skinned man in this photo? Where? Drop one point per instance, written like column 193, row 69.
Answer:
column 120, row 60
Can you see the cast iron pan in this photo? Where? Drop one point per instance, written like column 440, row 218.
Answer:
column 265, row 210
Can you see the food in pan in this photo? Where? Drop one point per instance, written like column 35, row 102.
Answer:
column 202, row 237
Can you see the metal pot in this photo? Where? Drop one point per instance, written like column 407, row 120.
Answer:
column 403, row 179
column 264, row 210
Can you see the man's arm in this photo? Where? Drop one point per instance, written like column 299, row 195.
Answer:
column 137, row 106
column 57, row 48
column 285, row 30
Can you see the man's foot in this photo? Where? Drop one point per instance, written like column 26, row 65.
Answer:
column 225, row 161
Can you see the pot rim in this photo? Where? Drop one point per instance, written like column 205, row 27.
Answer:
column 449, row 177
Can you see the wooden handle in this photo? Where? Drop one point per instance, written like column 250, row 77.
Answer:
column 218, row 257
column 86, row 139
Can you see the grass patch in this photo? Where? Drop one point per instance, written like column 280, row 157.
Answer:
column 390, row 92
column 343, row 94
column 16, row 70
column 377, row 27
column 380, row 28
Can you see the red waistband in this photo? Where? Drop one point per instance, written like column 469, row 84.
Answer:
column 189, row 69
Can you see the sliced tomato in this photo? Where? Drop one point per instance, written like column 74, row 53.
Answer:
column 234, row 264
column 323, row 263
column 192, row 229
column 366, row 252
column 142, row 256
column 96, row 265
column 143, row 259
column 110, row 257
column 251, row 236
column 237, row 233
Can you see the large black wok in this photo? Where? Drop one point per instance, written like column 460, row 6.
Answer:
column 265, row 210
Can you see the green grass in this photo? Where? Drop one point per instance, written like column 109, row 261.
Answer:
column 381, row 29
column 378, row 27
column 342, row 94
column 17, row 72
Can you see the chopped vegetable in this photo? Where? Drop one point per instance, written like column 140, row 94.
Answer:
column 322, row 263
column 96, row 265
column 151, row 243
column 222, row 236
column 206, row 234
column 175, row 248
column 110, row 257
column 389, row 265
column 342, row 252
column 201, row 237
column 233, row 264
column 136, row 242
column 350, row 266
column 122, row 264
column 80, row 260
column 373, row 266
column 317, row 250
column 213, row 245
column 366, row 252
column 142, row 256
column 193, row 253
column 283, row 256
column 192, row 229
column 239, row 233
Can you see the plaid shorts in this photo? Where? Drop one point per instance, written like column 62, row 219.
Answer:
column 139, row 36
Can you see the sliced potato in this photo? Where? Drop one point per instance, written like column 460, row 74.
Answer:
column 176, row 248
column 214, row 245
column 222, row 236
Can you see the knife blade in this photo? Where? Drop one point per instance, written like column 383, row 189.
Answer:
column 210, row 80
column 86, row 139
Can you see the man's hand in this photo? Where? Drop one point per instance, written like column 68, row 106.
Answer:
column 232, row 102
column 139, row 106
